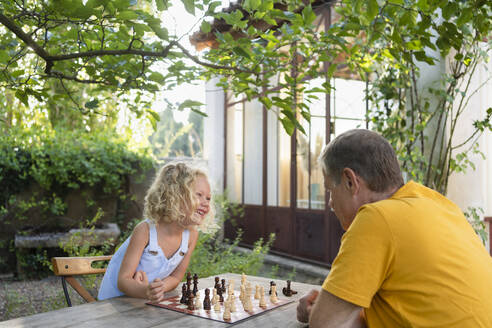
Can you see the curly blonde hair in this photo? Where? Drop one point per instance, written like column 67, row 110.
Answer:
column 171, row 196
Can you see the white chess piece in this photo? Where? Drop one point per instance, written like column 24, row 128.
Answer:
column 257, row 292
column 233, row 303
column 262, row 297
column 217, row 306
column 243, row 279
column 215, row 297
column 273, row 296
column 242, row 293
column 227, row 311
column 198, row 303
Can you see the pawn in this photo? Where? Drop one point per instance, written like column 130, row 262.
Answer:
column 198, row 304
column 217, row 307
column 223, row 287
column 272, row 283
column 206, row 300
column 183, row 295
column 215, row 298
column 257, row 292
column 217, row 283
column 191, row 301
column 233, row 303
column 227, row 311
column 273, row 296
column 262, row 298
column 219, row 293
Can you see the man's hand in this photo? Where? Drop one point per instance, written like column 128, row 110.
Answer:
column 305, row 305
column 155, row 290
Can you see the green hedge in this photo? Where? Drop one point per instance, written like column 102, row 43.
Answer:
column 39, row 169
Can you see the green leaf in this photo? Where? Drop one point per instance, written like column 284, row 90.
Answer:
column 288, row 125
column 22, row 96
column 127, row 15
column 397, row 2
column 372, row 9
column 188, row 103
column 241, row 52
column 156, row 77
column 161, row 32
column 206, row 27
column 189, row 6
column 308, row 15
column 91, row 104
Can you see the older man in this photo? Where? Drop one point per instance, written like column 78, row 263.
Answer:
column 408, row 258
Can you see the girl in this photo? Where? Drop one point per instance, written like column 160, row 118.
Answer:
column 159, row 249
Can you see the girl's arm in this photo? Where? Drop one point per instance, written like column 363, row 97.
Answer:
column 158, row 287
column 127, row 282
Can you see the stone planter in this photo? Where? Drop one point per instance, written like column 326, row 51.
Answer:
column 95, row 237
column 76, row 237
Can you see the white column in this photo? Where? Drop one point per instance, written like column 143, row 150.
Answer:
column 213, row 134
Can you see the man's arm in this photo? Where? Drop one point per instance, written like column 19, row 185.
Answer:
column 329, row 311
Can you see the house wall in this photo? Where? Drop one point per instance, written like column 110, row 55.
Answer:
column 473, row 188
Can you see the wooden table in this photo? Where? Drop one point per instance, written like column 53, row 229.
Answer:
column 123, row 312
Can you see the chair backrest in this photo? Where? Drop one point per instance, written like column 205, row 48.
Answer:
column 68, row 267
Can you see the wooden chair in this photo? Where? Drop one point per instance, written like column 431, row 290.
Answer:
column 68, row 267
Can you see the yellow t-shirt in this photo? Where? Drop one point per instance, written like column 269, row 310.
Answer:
column 413, row 260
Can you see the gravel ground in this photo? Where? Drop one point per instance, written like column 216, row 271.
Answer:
column 23, row 298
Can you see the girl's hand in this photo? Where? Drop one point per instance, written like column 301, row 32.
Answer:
column 155, row 290
column 141, row 277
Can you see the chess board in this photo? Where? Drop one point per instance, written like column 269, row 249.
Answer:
column 172, row 303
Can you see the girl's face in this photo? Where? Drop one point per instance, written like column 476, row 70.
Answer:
column 202, row 194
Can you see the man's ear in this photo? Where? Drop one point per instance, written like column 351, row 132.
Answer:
column 350, row 180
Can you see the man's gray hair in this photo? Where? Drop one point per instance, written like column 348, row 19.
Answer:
column 368, row 154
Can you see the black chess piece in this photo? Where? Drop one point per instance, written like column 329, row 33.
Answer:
column 287, row 291
column 206, row 300
column 195, row 284
column 272, row 283
column 183, row 295
column 219, row 292
column 191, row 301
column 223, row 285
column 188, row 281
column 217, row 283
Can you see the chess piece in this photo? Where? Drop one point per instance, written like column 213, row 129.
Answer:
column 219, row 292
column 273, row 296
column 262, row 298
column 287, row 291
column 247, row 304
column 243, row 279
column 191, row 301
column 206, row 300
column 233, row 303
column 272, row 283
column 183, row 295
column 257, row 292
column 195, row 284
column 214, row 297
column 223, row 286
column 198, row 304
column 217, row 283
column 231, row 288
column 217, row 307
column 227, row 311
column 188, row 281
column 248, row 289
column 242, row 293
